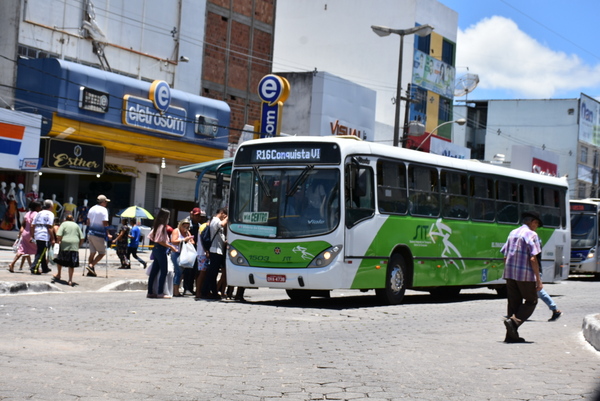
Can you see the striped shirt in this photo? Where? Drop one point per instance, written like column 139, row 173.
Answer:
column 521, row 245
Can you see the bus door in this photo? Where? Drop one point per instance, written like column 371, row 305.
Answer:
column 359, row 209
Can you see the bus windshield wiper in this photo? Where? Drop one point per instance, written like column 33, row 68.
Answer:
column 262, row 182
column 300, row 180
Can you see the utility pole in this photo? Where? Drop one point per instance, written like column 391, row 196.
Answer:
column 594, row 191
column 408, row 101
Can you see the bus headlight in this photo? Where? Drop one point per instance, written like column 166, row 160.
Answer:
column 326, row 257
column 236, row 257
column 591, row 253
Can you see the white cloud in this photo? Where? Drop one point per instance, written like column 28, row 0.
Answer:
column 507, row 58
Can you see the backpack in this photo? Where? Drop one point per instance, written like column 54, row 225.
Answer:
column 205, row 238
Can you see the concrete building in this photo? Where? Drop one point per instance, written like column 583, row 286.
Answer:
column 548, row 136
column 129, row 92
column 321, row 104
column 336, row 37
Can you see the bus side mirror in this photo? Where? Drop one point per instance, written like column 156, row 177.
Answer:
column 219, row 186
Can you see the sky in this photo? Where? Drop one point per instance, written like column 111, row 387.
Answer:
column 528, row 49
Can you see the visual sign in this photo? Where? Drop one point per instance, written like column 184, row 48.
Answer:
column 155, row 113
column 433, row 74
column 286, row 153
column 589, row 120
column 19, row 140
column 93, row 100
column 68, row 155
column 273, row 91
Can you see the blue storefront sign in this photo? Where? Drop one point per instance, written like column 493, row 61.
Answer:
column 85, row 104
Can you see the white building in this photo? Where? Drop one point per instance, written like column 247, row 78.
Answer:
column 49, row 58
column 553, row 136
column 336, row 37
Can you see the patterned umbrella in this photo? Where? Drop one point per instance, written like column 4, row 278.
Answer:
column 136, row 212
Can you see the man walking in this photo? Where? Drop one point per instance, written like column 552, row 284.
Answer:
column 134, row 242
column 218, row 225
column 44, row 237
column 97, row 222
column 522, row 274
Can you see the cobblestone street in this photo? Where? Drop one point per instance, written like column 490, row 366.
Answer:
column 120, row 345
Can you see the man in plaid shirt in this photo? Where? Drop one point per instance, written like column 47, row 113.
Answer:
column 522, row 273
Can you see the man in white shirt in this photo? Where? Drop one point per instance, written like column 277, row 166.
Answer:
column 44, row 237
column 97, row 221
column 218, row 225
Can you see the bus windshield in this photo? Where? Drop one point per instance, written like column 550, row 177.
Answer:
column 285, row 203
column 583, row 230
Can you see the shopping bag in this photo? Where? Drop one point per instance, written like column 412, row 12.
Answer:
column 187, row 256
column 16, row 245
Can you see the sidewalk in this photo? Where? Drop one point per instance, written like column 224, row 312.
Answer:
column 110, row 277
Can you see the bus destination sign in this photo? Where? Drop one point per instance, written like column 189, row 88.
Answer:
column 286, row 155
column 289, row 153
column 582, row 207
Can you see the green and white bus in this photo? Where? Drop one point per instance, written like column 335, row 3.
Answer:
column 310, row 215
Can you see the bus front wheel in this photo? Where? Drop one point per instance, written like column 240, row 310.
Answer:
column 395, row 282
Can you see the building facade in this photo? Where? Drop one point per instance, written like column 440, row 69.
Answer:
column 113, row 97
column 336, row 37
column 548, row 136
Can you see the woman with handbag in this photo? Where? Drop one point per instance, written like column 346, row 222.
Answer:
column 179, row 238
column 160, row 267
column 26, row 247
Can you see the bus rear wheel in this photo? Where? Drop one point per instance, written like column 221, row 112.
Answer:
column 395, row 282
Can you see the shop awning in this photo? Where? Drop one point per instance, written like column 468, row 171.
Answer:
column 221, row 165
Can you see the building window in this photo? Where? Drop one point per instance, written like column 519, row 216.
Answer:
column 423, row 43
column 448, row 52
column 581, row 190
column 583, row 155
column 30, row 52
column 445, row 110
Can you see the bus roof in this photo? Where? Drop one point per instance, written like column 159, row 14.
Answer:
column 591, row 201
column 359, row 147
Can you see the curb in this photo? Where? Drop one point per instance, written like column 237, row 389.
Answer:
column 591, row 330
column 15, row 287
column 126, row 285
column 19, row 287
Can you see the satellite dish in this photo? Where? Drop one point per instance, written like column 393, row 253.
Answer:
column 465, row 84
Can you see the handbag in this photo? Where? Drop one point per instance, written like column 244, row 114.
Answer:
column 187, row 256
column 16, row 244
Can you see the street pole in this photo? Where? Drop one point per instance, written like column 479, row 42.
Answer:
column 421, row 30
column 408, row 100
column 398, row 95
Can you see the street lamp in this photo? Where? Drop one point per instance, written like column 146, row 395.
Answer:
column 422, row 30
column 460, row 121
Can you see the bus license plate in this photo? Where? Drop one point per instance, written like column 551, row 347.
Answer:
column 275, row 278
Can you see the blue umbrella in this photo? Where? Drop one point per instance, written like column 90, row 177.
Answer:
column 135, row 212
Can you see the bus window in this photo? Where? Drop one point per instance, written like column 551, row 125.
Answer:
column 424, row 191
column 359, row 197
column 482, row 195
column 454, row 195
column 285, row 203
column 507, row 202
column 550, row 208
column 391, row 187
